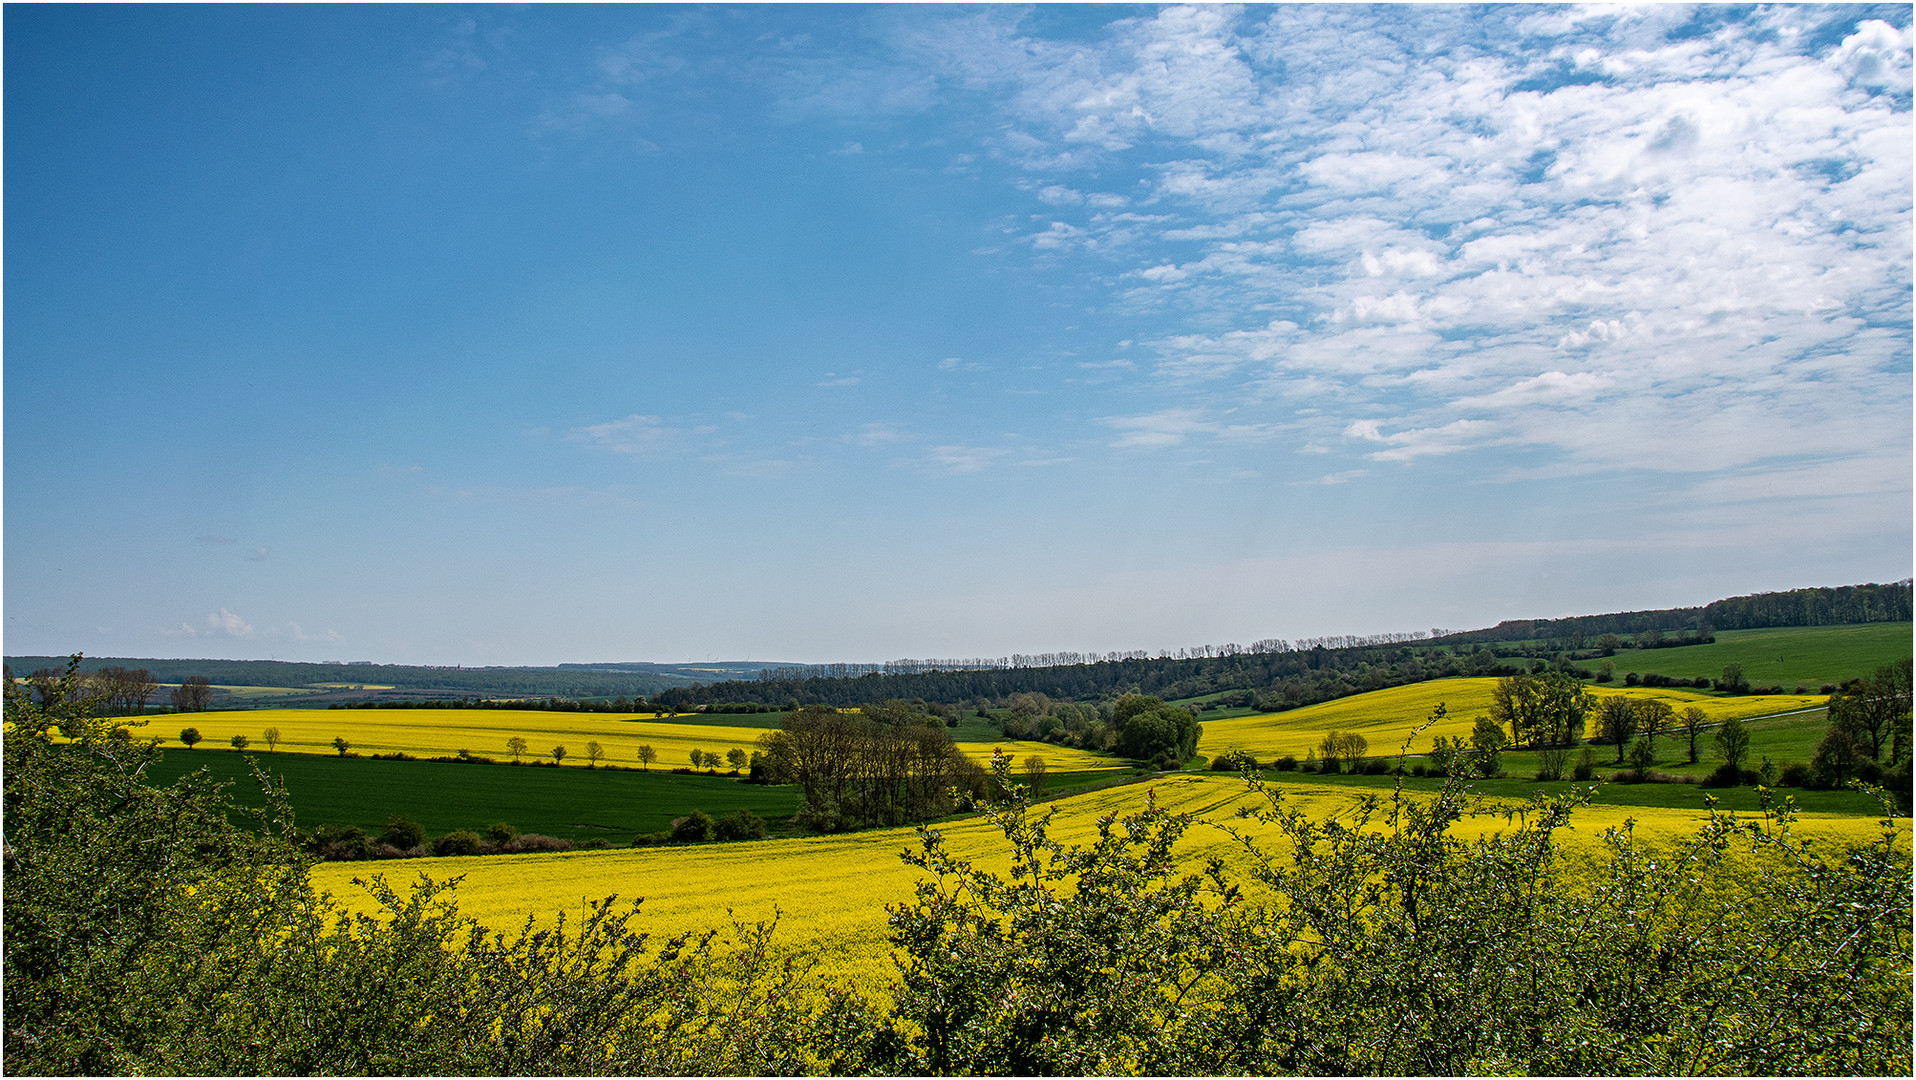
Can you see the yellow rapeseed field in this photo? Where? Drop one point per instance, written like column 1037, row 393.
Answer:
column 1386, row 717
column 441, row 732
column 832, row 890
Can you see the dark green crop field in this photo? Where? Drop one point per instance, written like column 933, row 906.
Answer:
column 1787, row 656
column 575, row 804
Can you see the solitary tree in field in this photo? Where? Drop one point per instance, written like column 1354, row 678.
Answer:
column 240, row 741
column 698, row 758
column 1732, row 741
column 515, row 746
column 1692, row 727
column 1616, row 721
column 189, row 736
column 340, row 744
column 736, row 758
column 1654, row 716
column 1035, row 773
column 647, row 756
column 594, row 753
column 558, row 755
column 272, row 739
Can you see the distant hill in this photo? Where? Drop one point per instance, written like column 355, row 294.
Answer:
column 1270, row 674
column 320, row 684
column 1845, row 605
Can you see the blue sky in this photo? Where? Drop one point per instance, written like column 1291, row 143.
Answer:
column 529, row 335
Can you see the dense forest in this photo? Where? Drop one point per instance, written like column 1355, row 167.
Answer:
column 1797, row 607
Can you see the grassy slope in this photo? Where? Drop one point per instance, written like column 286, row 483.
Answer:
column 1786, row 656
column 577, row 804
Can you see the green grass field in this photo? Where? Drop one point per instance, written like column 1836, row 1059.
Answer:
column 576, row 804
column 1786, row 656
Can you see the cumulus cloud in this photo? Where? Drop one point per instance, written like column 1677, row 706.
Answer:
column 1508, row 214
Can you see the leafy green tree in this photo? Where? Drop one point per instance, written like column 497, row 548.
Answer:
column 517, row 746
column 1733, row 681
column 736, row 758
column 594, row 753
column 271, row 735
column 1616, row 721
column 1035, row 771
column 1148, row 729
column 190, row 736
column 1547, row 709
column 1732, row 742
column 558, row 755
column 695, row 827
column 740, row 824
column 341, row 745
column 457, row 842
column 240, row 742
column 1874, row 709
column 647, row 756
column 1836, row 758
column 1643, row 754
column 403, row 833
column 1693, row 719
column 1487, row 741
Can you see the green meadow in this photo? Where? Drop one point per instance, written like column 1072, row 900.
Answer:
column 1789, row 657
column 573, row 804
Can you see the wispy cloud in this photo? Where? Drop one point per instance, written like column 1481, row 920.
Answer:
column 1509, row 214
column 636, row 434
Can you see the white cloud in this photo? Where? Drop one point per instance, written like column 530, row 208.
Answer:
column 1524, row 212
column 636, row 434
column 965, row 459
column 226, row 623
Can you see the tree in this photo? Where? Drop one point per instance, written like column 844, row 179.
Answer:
column 740, row 824
column 1149, row 730
column 1654, row 716
column 340, row 744
column 1643, row 754
column 1733, row 681
column 516, row 746
column 647, row 756
column 1488, row 740
column 189, row 736
column 594, row 753
column 1873, row 710
column 1836, row 758
column 1616, row 721
column 1732, row 742
column 1035, row 773
column 695, row 827
column 736, row 758
column 271, row 735
column 558, row 754
column 403, row 833
column 194, row 694
column 1541, row 710
column 1693, row 718
column 240, row 742
column 698, row 758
